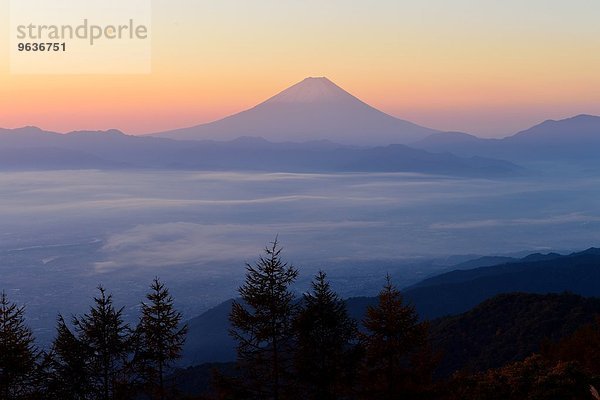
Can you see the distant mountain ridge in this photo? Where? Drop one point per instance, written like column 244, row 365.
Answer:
column 28, row 148
column 458, row 291
column 573, row 140
column 583, row 127
column 563, row 146
column 481, row 267
column 315, row 108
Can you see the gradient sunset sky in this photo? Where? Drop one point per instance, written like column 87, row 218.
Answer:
column 487, row 67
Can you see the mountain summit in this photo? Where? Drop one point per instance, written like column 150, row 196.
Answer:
column 575, row 130
column 313, row 90
column 313, row 109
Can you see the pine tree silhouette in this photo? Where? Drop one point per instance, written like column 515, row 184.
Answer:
column 393, row 336
column 262, row 325
column 70, row 366
column 325, row 355
column 107, row 340
column 18, row 353
column 159, row 339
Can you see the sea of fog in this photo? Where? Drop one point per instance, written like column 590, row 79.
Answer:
column 63, row 233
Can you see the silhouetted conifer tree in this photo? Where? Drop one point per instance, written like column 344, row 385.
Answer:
column 326, row 335
column 70, row 365
column 159, row 339
column 262, row 325
column 393, row 337
column 106, row 339
column 18, row 353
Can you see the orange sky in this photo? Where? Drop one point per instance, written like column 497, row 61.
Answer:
column 486, row 67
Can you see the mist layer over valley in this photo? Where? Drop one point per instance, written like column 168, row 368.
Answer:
column 64, row 232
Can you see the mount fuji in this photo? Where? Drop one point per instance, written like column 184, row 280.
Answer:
column 314, row 109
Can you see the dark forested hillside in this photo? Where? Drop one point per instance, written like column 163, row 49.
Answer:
column 368, row 348
column 447, row 294
column 507, row 328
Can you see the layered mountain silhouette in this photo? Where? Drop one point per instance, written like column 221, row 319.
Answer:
column 314, row 109
column 576, row 140
column 579, row 129
column 312, row 126
column 33, row 148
